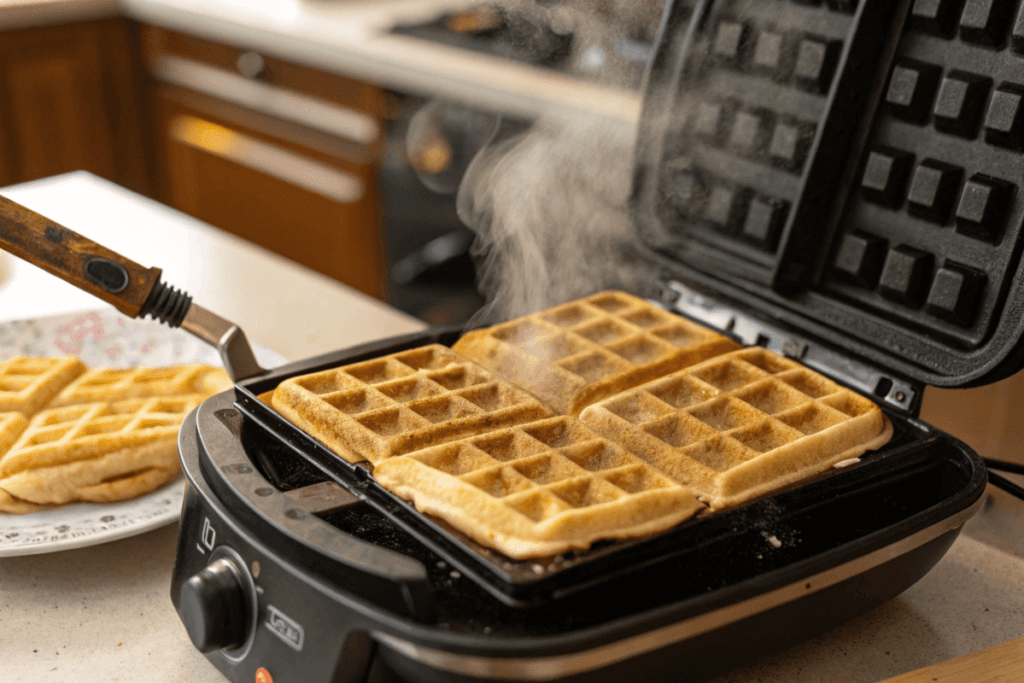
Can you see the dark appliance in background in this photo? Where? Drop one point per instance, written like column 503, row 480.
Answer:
column 607, row 41
column 431, row 275
column 430, row 144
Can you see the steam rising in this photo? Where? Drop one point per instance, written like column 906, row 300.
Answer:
column 549, row 210
column 549, row 206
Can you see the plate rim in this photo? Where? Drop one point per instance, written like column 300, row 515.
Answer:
column 175, row 488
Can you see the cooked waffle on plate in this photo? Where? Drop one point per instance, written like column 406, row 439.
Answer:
column 28, row 384
column 98, row 452
column 11, row 427
column 539, row 489
column 401, row 403
column 105, row 384
column 581, row 352
column 741, row 425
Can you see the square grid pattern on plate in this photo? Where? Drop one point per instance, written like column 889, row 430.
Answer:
column 929, row 236
column 539, row 489
column 738, row 426
column 581, row 352
column 760, row 87
column 28, row 384
column 402, row 403
column 104, row 384
column 73, row 433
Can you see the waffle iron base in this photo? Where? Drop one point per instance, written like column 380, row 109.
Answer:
column 322, row 604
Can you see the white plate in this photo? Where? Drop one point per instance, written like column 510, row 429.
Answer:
column 101, row 338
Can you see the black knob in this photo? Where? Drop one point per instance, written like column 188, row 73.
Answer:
column 214, row 607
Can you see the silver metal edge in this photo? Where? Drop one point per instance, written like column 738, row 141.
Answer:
column 548, row 668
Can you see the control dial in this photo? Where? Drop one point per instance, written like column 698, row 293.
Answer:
column 215, row 607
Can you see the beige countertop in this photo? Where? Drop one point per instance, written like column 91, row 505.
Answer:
column 350, row 37
column 104, row 612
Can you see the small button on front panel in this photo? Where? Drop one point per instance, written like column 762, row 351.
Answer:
column 941, row 178
column 288, row 612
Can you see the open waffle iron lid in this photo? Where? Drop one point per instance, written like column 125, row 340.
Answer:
column 849, row 171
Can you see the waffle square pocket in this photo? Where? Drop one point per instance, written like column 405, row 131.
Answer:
column 539, row 489
column 741, row 425
column 581, row 352
column 404, row 402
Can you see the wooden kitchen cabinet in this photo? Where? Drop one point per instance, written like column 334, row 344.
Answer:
column 71, row 102
column 279, row 154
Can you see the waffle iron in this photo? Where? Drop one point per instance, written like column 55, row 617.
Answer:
column 835, row 180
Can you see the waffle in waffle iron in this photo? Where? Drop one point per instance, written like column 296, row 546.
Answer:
column 714, row 422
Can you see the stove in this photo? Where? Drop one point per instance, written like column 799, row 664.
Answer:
column 611, row 47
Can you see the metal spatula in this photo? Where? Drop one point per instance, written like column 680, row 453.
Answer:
column 132, row 289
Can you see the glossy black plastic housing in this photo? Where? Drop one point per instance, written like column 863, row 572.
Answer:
column 537, row 583
column 878, row 206
column 764, row 576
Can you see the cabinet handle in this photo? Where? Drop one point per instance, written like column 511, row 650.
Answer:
column 279, row 102
column 268, row 159
column 251, row 65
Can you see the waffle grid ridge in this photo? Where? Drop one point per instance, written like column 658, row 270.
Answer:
column 74, row 433
column 554, row 484
column 27, row 384
column 404, row 402
column 736, row 426
column 580, row 352
column 103, row 384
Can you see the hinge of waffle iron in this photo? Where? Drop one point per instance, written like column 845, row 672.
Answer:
column 879, row 384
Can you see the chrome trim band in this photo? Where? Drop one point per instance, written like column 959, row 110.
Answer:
column 268, row 159
column 548, row 668
column 275, row 101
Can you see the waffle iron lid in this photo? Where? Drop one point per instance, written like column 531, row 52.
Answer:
column 854, row 166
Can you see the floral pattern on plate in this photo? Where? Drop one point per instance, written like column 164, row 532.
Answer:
column 101, row 338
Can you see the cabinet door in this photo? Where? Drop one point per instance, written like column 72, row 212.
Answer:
column 271, row 184
column 70, row 103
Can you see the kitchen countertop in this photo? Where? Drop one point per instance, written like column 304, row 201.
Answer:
column 104, row 613
column 349, row 37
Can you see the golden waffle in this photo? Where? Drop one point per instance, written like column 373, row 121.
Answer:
column 11, row 427
column 29, row 384
column 539, row 489
column 401, row 403
column 105, row 384
column 581, row 352
column 738, row 426
column 96, row 452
